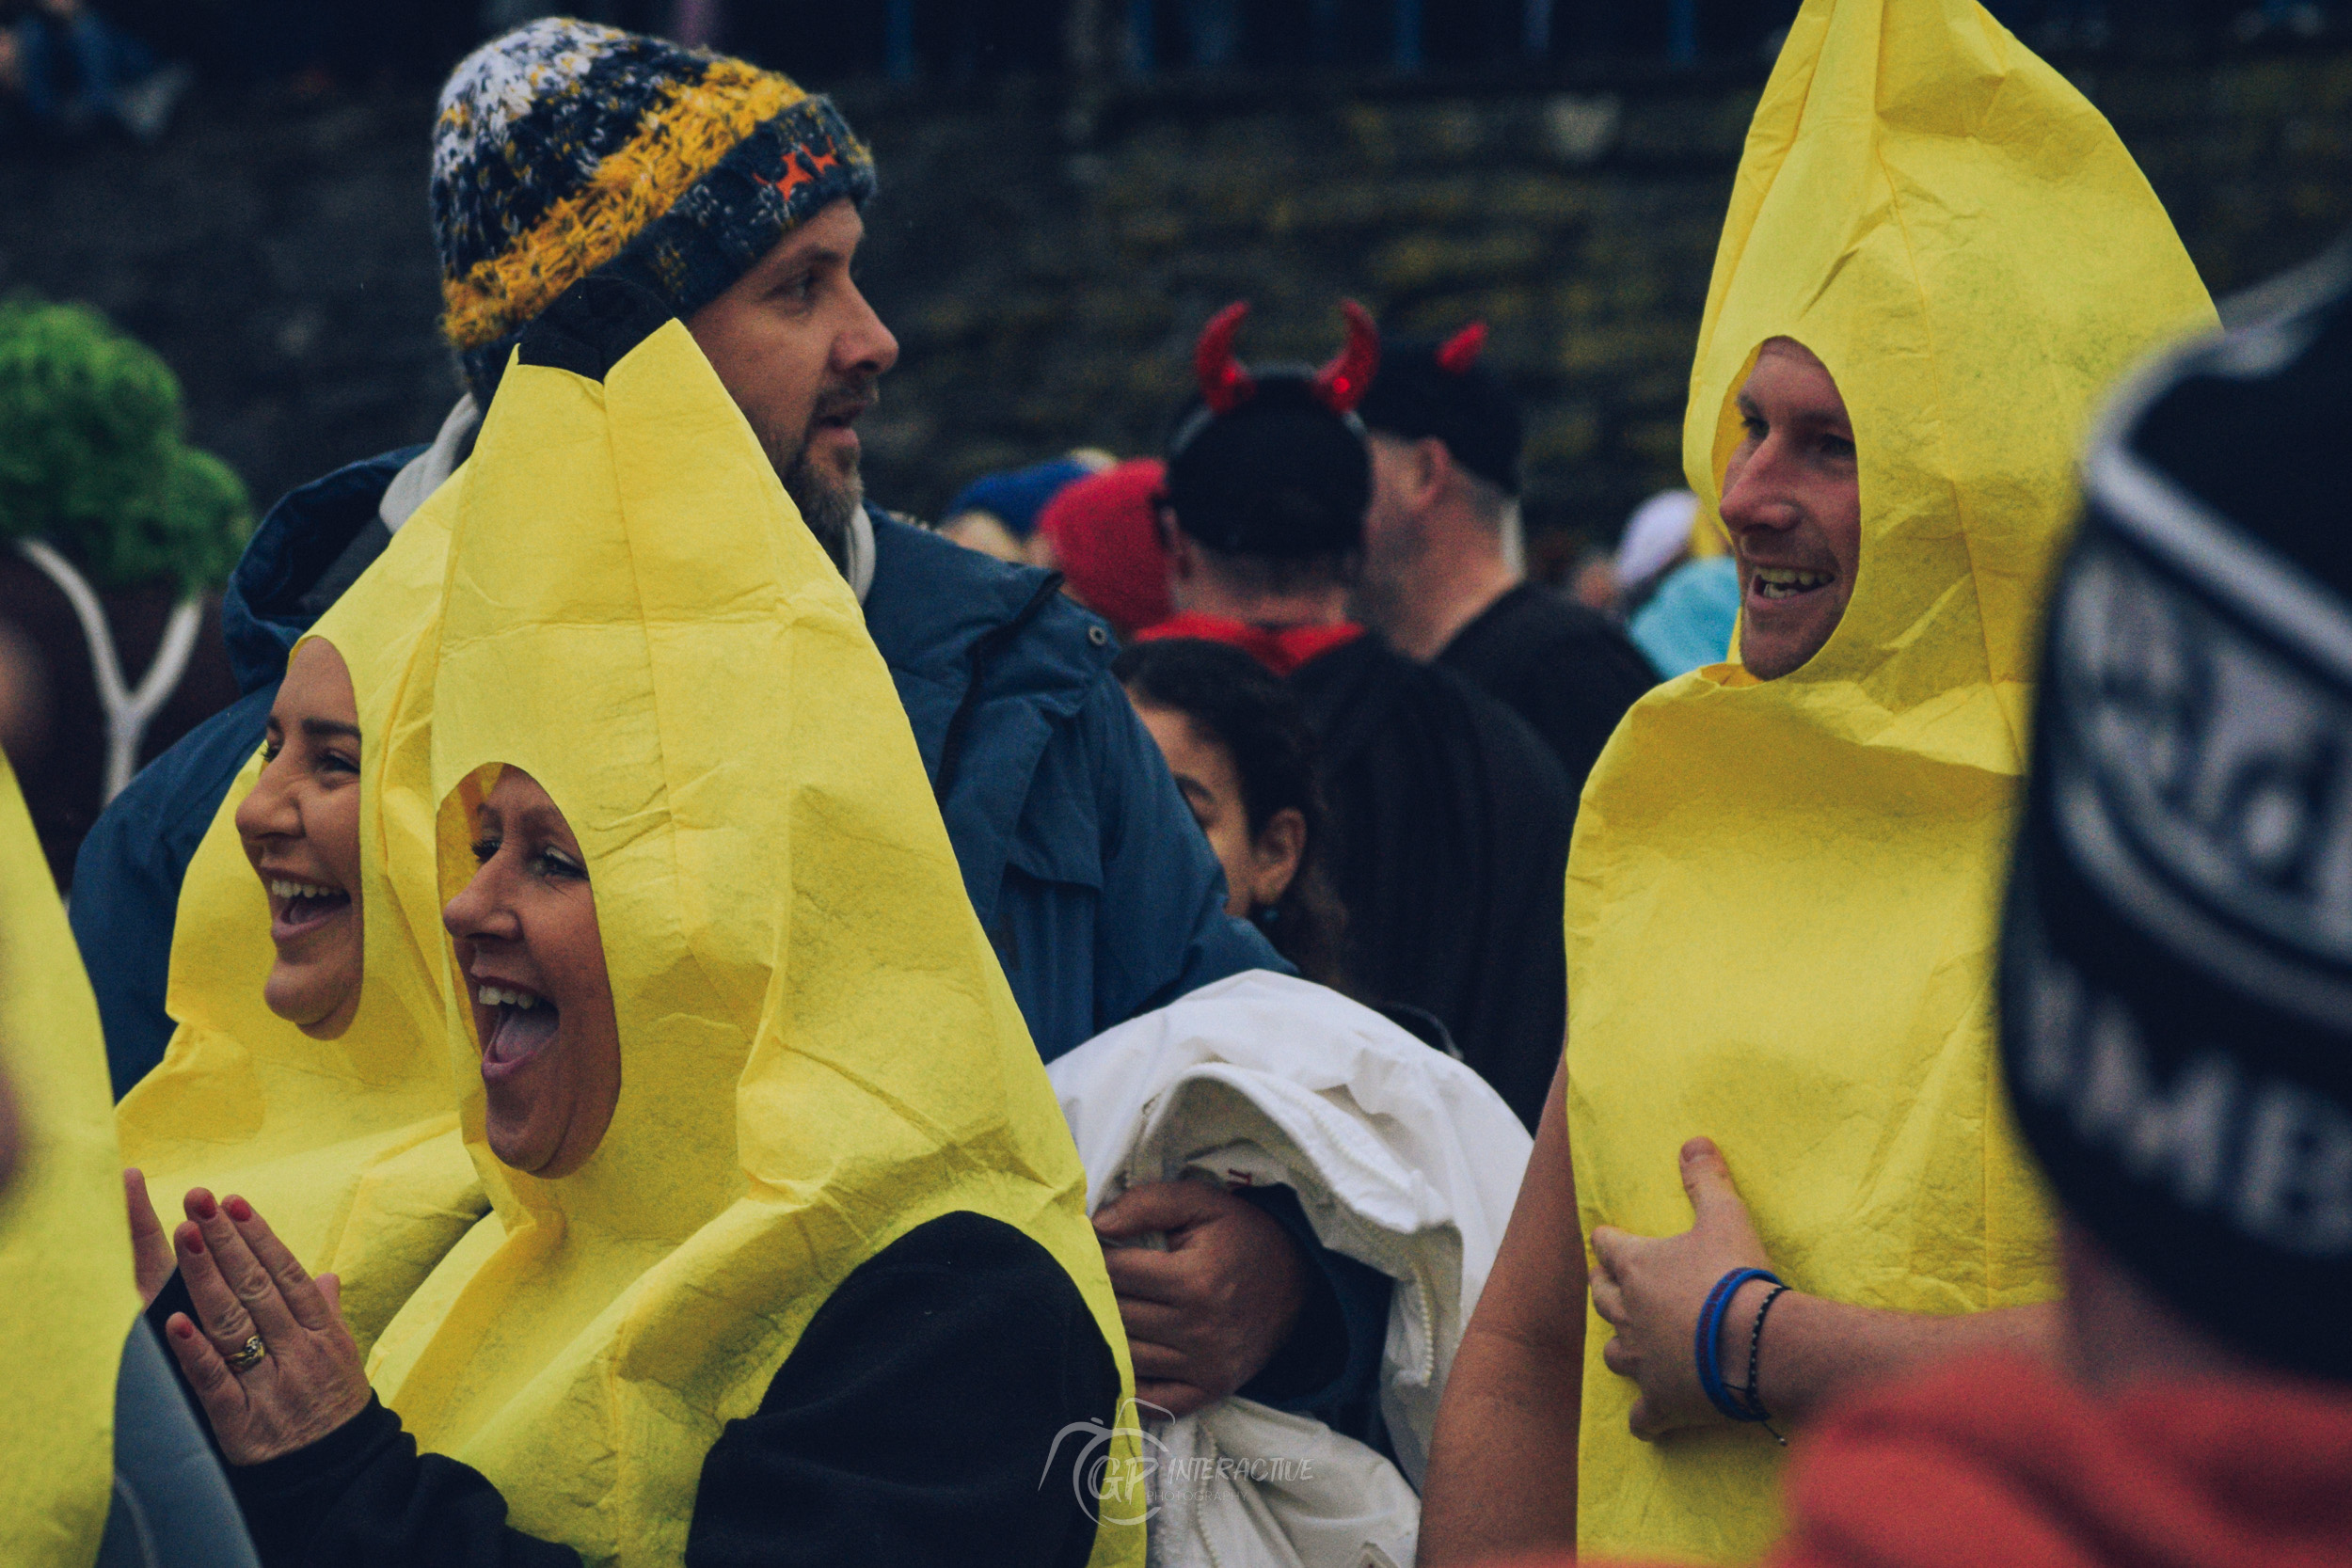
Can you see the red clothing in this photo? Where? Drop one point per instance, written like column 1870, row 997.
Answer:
column 1280, row 649
column 1105, row 534
column 2001, row 1461
column 1996, row 1463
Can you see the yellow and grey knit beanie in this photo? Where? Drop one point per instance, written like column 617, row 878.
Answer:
column 563, row 145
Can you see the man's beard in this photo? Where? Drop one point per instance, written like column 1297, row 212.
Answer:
column 828, row 501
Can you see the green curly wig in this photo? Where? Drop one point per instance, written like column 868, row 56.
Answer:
column 93, row 459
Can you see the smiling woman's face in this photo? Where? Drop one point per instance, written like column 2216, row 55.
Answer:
column 300, row 827
column 534, row 966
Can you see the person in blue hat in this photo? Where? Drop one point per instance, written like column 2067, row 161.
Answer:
column 997, row 514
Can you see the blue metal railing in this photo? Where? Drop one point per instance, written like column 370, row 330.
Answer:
column 965, row 39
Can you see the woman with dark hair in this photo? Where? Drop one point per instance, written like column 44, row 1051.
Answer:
column 1244, row 760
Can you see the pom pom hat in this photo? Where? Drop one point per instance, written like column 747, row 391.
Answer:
column 563, row 145
column 1106, row 541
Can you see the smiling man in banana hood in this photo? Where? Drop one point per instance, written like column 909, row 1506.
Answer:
column 1782, row 895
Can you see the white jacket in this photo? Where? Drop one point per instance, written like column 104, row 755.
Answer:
column 1401, row 1158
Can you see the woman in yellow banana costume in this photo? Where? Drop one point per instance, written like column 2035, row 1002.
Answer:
column 308, row 1071
column 792, row 1264
column 1782, row 892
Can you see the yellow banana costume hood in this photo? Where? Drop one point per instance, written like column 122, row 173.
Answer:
column 348, row 1147
column 1782, row 896
column 65, row 1244
column 818, row 1051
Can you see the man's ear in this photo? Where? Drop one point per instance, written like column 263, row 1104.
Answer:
column 1433, row 470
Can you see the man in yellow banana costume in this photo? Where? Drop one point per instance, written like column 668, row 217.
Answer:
column 1780, row 1071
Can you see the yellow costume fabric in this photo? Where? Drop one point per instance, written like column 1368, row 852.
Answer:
column 1782, row 896
column 348, row 1147
column 819, row 1050
column 65, row 1244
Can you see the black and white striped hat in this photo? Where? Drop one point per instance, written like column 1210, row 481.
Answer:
column 2176, row 979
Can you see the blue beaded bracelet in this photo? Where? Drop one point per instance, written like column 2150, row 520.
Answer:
column 1708, row 1346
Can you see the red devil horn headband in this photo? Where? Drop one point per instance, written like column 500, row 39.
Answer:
column 1458, row 353
column 1340, row 385
column 1224, row 385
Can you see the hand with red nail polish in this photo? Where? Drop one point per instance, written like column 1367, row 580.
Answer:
column 245, row 1283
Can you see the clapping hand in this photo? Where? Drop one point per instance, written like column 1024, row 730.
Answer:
column 271, row 1360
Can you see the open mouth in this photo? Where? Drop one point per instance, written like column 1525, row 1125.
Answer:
column 296, row 908
column 516, row 1025
column 1782, row 583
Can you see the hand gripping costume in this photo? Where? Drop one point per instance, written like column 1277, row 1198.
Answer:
column 1782, row 896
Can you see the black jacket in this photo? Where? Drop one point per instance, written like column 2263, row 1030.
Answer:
column 1556, row 664
column 913, row 1422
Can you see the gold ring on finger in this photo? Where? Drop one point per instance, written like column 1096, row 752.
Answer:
column 247, row 1355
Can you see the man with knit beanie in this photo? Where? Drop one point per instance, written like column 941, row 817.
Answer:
column 2176, row 1017
column 1445, row 575
column 563, row 148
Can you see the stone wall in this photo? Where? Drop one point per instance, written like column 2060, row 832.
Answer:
column 1047, row 264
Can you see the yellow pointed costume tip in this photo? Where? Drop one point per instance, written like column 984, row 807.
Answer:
column 1781, row 895
column 65, row 1242
column 819, row 1050
column 1962, row 238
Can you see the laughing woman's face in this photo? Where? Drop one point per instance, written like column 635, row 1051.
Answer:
column 534, row 966
column 300, row 827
